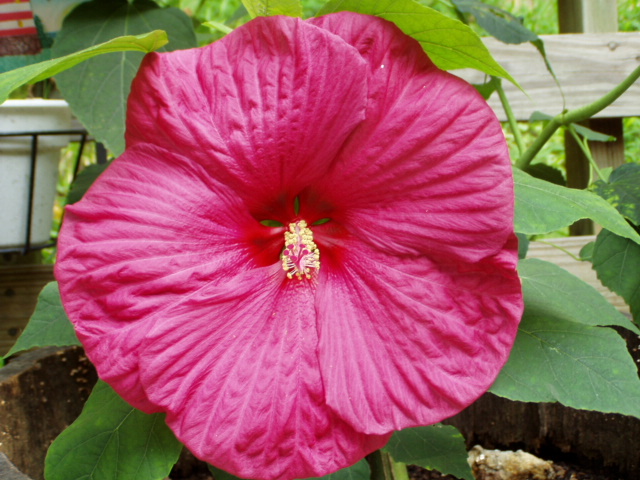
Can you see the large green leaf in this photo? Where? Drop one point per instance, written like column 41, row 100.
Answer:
column 437, row 447
column 553, row 292
column 616, row 260
column 263, row 8
column 111, row 440
column 13, row 79
column 97, row 90
column 542, row 207
column 449, row 43
column 49, row 324
column 555, row 360
column 622, row 190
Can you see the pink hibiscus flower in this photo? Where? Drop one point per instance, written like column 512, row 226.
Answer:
column 388, row 298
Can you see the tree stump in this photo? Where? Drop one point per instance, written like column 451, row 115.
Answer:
column 606, row 442
column 41, row 393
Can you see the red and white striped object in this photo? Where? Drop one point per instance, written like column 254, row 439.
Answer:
column 16, row 18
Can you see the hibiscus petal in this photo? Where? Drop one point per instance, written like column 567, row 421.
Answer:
column 154, row 228
column 264, row 109
column 406, row 342
column 428, row 171
column 237, row 372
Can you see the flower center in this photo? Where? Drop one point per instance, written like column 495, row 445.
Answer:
column 301, row 255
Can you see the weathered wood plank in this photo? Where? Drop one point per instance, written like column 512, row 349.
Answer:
column 588, row 65
column 20, row 286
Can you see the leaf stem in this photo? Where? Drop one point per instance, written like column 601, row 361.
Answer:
column 574, row 116
column 381, row 465
column 584, row 146
column 513, row 124
column 400, row 471
column 546, row 133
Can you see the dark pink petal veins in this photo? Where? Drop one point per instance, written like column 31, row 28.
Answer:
column 424, row 339
column 241, row 384
column 428, row 171
column 403, row 314
column 265, row 109
column 422, row 268
column 154, row 229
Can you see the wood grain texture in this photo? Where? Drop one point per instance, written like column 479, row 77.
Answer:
column 605, row 442
column 20, row 286
column 41, row 393
column 587, row 65
column 588, row 16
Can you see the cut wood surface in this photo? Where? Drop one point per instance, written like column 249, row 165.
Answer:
column 555, row 250
column 41, row 393
column 20, row 286
column 606, row 442
column 588, row 65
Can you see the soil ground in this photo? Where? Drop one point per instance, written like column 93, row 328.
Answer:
column 563, row 471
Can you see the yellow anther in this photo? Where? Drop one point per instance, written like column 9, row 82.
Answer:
column 300, row 256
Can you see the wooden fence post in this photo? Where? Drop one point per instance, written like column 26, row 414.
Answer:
column 591, row 16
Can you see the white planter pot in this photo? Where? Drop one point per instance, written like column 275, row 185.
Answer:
column 15, row 168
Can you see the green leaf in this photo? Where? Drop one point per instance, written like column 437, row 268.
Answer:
column 84, row 180
column 523, row 245
column 555, row 360
column 265, row 8
column 49, row 324
column 586, row 252
column 616, row 260
column 497, row 22
column 97, row 90
column 538, row 116
column 359, row 471
column 486, row 89
column 221, row 474
column 622, row 190
column 591, row 134
column 546, row 172
column 505, row 27
column 542, row 207
column 112, row 440
column 36, row 72
column 437, row 447
column 449, row 43
column 552, row 292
